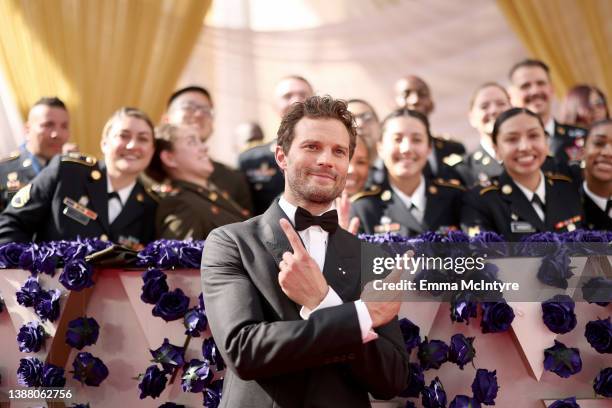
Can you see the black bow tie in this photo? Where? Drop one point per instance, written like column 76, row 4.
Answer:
column 327, row 221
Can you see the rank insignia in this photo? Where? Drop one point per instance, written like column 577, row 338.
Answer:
column 22, row 197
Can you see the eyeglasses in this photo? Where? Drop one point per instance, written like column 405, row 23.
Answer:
column 193, row 108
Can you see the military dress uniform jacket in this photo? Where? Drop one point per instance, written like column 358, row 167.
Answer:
column 234, row 182
column 69, row 199
column 500, row 206
column 191, row 211
column 380, row 210
column 16, row 170
column 595, row 218
column 566, row 144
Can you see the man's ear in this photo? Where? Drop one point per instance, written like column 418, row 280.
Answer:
column 168, row 159
column 281, row 157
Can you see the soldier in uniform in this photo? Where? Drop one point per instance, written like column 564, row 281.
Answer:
column 532, row 89
column 76, row 196
column 193, row 106
column 259, row 164
column 194, row 206
column 409, row 203
column 46, row 132
column 522, row 200
column 412, row 92
column 597, row 185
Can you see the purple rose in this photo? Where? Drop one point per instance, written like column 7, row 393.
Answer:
column 462, row 401
column 39, row 258
column 434, row 395
column 30, row 337
column 197, row 375
column 555, row 269
column 29, row 372
column 201, row 302
column 598, row 290
column 167, row 255
column 603, row 383
column 416, row 382
column 463, row 308
column 77, row 275
column 432, row 354
column 171, row 305
column 27, row 295
column 81, row 332
column 485, row 386
column 154, row 286
column 195, row 322
column 152, row 382
column 558, row 314
column 461, row 350
column 496, row 317
column 53, row 376
column 562, row 360
column 190, row 257
column 89, row 369
column 212, row 394
column 566, row 403
column 9, row 255
column 169, row 356
column 410, row 333
column 47, row 305
column 211, row 353
column 599, row 335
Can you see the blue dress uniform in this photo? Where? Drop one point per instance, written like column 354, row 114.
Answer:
column 265, row 178
column 500, row 206
column 16, row 170
column 380, row 210
column 69, row 199
column 566, row 143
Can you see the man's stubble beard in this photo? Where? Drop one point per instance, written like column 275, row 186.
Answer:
column 300, row 189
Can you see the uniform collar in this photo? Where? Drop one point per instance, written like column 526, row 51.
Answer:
column 599, row 201
column 417, row 198
column 124, row 193
column 550, row 127
column 540, row 190
column 488, row 148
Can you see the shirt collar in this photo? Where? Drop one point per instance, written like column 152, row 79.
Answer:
column 599, row 201
column 489, row 149
column 290, row 209
column 124, row 193
column 550, row 127
column 540, row 190
column 417, row 198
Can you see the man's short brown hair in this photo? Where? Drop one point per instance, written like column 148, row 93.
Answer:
column 316, row 107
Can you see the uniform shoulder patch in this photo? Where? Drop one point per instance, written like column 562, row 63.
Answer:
column 11, row 156
column 22, row 197
column 453, row 183
column 452, row 159
column 488, row 189
column 366, row 193
column 154, row 195
column 558, row 177
column 75, row 157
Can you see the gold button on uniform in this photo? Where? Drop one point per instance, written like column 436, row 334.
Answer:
column 96, row 175
column 507, row 189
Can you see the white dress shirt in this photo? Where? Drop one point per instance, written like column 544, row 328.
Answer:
column 315, row 241
column 116, row 205
column 601, row 202
column 540, row 191
column 416, row 202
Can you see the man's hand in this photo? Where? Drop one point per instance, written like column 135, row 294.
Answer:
column 343, row 206
column 387, row 303
column 300, row 277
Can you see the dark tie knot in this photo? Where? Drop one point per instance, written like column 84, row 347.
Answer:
column 114, row 194
column 536, row 200
column 327, row 221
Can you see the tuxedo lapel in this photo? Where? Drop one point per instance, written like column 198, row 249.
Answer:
column 98, row 199
column 519, row 204
column 342, row 269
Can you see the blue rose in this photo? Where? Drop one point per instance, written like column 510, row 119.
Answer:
column 555, row 269
column 496, row 317
column 47, row 305
column 598, row 290
column 190, row 257
column 603, row 383
column 410, row 333
column 434, row 395
column 562, row 360
column 171, row 305
column 29, row 373
column 485, row 386
column 28, row 293
column 39, row 258
column 461, row 350
column 77, row 275
column 169, row 356
column 463, row 401
column 195, row 322
column 211, row 353
column 566, row 403
column 558, row 314
column 10, row 254
column 463, row 307
column 416, row 382
column 154, row 285
column 30, row 337
column 152, row 383
column 81, row 332
column 53, row 376
column 89, row 370
column 213, row 393
column 197, row 375
column 432, row 354
column 599, row 335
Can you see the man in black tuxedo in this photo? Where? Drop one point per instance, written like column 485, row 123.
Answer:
column 291, row 325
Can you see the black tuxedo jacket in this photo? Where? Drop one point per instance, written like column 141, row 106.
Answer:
column 275, row 358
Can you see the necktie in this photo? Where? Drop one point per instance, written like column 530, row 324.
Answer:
column 327, row 221
column 114, row 194
column 537, row 201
